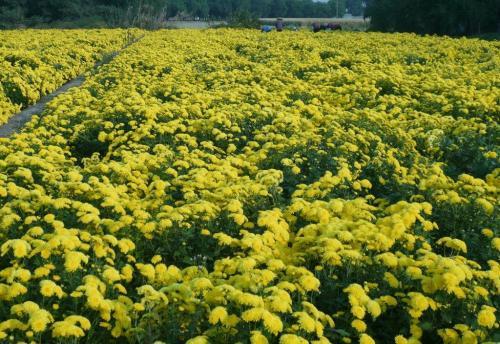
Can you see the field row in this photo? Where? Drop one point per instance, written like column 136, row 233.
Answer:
column 34, row 63
column 226, row 186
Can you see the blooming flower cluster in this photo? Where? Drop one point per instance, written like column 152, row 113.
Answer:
column 226, row 186
column 34, row 63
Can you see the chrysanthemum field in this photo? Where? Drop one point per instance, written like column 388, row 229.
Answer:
column 34, row 63
column 230, row 186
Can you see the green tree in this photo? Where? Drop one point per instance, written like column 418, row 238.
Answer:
column 261, row 8
column 295, row 8
column 355, row 7
column 451, row 17
column 278, row 8
column 337, row 7
column 241, row 6
column 220, row 8
column 198, row 8
column 175, row 7
column 11, row 12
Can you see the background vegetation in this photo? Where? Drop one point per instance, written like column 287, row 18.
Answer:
column 143, row 12
column 449, row 17
column 452, row 17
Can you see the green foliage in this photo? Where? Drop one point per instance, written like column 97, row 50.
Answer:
column 355, row 7
column 450, row 17
column 243, row 20
column 150, row 13
column 337, row 7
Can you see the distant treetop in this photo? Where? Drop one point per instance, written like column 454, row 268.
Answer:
column 451, row 17
column 126, row 12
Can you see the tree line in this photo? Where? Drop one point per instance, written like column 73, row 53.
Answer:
column 112, row 11
column 450, row 17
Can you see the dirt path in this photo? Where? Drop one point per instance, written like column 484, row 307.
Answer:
column 17, row 121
